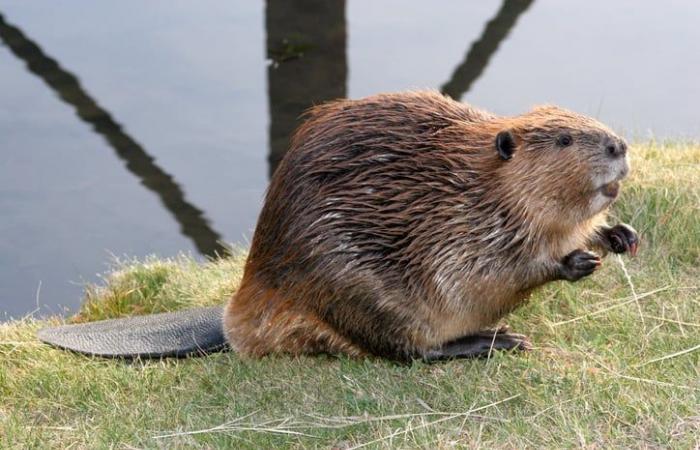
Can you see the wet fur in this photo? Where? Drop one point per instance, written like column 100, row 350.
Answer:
column 393, row 226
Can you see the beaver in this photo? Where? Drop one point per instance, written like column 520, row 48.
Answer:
column 405, row 226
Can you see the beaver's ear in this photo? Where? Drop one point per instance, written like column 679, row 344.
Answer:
column 505, row 144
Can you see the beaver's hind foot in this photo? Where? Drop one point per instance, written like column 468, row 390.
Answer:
column 480, row 345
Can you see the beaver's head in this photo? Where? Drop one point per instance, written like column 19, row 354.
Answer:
column 564, row 162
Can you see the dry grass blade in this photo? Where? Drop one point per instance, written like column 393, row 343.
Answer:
column 672, row 355
column 623, row 301
column 677, row 322
column 215, row 429
column 434, row 422
column 617, row 374
column 289, row 426
column 634, row 291
column 22, row 343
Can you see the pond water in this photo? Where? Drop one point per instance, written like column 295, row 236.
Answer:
column 134, row 128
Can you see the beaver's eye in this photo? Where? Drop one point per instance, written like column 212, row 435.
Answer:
column 565, row 140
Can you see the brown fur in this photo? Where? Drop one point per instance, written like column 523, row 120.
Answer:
column 392, row 225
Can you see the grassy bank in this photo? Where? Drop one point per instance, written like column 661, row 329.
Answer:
column 616, row 363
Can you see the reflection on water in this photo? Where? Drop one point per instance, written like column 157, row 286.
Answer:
column 191, row 83
column 481, row 51
column 307, row 63
column 192, row 222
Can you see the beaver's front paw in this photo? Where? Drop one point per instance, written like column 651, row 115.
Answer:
column 578, row 264
column 622, row 238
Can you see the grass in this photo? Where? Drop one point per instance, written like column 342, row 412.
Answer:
column 617, row 363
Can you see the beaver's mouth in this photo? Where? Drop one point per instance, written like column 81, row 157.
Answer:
column 611, row 189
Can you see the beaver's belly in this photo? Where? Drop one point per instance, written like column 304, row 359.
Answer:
column 477, row 310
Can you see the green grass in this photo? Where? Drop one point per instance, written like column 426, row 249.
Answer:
column 607, row 371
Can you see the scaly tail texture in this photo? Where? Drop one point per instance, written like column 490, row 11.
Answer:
column 179, row 334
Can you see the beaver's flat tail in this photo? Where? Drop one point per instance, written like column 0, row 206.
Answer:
column 179, row 334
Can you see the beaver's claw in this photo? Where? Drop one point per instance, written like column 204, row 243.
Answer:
column 578, row 264
column 622, row 238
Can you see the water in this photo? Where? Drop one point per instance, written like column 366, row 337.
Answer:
column 135, row 128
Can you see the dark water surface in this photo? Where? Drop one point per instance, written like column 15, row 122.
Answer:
column 132, row 128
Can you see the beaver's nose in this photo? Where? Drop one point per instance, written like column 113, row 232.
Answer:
column 615, row 148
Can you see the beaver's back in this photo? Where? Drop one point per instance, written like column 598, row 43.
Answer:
column 366, row 184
